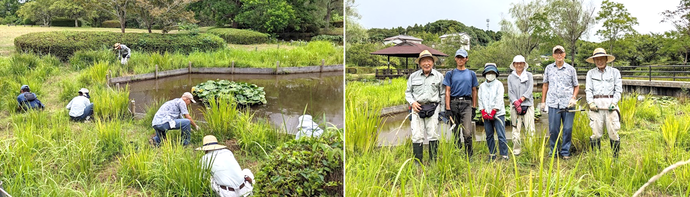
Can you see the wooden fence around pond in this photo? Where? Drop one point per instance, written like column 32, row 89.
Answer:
column 668, row 72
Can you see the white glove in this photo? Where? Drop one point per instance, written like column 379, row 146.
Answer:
column 197, row 127
column 543, row 106
column 593, row 107
column 573, row 103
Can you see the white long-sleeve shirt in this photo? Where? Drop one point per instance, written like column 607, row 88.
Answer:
column 491, row 97
column 224, row 168
column 77, row 105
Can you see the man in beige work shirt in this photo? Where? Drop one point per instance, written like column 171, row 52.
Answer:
column 425, row 93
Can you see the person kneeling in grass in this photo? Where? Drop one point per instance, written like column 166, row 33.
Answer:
column 169, row 117
column 228, row 178
column 27, row 99
column 493, row 112
column 80, row 107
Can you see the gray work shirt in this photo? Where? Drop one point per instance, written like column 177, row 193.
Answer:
column 171, row 110
column 125, row 52
column 604, row 83
column 517, row 89
column 426, row 89
column 562, row 82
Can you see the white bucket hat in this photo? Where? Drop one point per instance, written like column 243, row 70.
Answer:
column 210, row 143
column 84, row 90
column 518, row 58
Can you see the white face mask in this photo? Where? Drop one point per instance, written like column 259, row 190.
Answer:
column 490, row 77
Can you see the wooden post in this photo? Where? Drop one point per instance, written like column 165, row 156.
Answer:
column 134, row 107
column 650, row 72
column 323, row 62
column 277, row 66
column 117, row 85
column 107, row 79
column 256, row 48
column 189, row 69
column 156, row 73
column 232, row 68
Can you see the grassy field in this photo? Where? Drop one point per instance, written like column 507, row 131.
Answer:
column 45, row 154
column 654, row 135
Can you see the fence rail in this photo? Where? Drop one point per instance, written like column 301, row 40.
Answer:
column 650, row 72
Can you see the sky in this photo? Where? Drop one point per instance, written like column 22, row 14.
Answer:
column 388, row 14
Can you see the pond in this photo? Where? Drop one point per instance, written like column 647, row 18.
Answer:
column 287, row 95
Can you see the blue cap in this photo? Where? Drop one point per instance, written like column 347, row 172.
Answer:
column 24, row 87
column 490, row 67
column 461, row 52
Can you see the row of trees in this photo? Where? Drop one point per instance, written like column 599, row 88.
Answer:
column 268, row 16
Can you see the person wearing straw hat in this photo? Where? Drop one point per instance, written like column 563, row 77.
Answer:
column 425, row 94
column 491, row 106
column 28, row 100
column 80, row 107
column 123, row 52
column 461, row 100
column 520, row 85
column 169, row 117
column 228, row 178
column 558, row 93
column 603, row 91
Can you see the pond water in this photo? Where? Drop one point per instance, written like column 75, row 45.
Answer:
column 286, row 95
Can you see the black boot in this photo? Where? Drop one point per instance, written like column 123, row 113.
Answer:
column 433, row 148
column 468, row 147
column 418, row 150
column 595, row 144
column 615, row 145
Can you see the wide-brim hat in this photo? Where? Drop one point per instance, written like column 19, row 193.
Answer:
column 600, row 52
column 424, row 54
column 116, row 45
column 210, row 143
column 518, row 58
column 488, row 67
column 84, row 90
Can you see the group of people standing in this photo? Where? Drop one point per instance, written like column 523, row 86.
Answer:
column 458, row 96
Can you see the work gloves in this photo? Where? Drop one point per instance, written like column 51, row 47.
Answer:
column 593, row 107
column 612, row 107
column 573, row 103
column 488, row 116
column 516, row 104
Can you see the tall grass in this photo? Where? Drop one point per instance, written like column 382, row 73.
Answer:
column 628, row 107
column 674, row 130
column 363, row 121
column 383, row 93
column 109, row 103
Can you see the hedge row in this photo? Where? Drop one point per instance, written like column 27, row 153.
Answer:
column 239, row 36
column 63, row 22
column 63, row 44
column 111, row 24
column 331, row 38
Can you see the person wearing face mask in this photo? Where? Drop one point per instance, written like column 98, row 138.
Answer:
column 425, row 93
column 520, row 86
column 558, row 94
column 603, row 91
column 491, row 106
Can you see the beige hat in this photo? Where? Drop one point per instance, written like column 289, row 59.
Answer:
column 600, row 52
column 518, row 58
column 116, row 45
column 557, row 47
column 424, row 54
column 189, row 96
column 210, row 143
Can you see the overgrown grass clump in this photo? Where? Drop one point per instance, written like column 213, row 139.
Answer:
column 239, row 36
column 381, row 93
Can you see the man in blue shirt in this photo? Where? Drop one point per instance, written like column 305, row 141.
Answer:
column 28, row 100
column 461, row 100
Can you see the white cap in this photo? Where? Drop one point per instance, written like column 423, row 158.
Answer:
column 84, row 90
column 189, row 96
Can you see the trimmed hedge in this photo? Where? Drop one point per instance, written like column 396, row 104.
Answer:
column 63, row 44
column 334, row 39
column 239, row 36
column 111, row 24
column 63, row 22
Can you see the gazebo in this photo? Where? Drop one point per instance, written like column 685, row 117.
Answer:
column 406, row 50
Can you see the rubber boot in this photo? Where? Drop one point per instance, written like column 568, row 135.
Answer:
column 418, row 150
column 615, row 145
column 433, row 148
column 468, row 147
column 595, row 144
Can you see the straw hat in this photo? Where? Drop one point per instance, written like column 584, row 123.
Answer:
column 116, row 45
column 600, row 52
column 518, row 58
column 424, row 54
column 210, row 143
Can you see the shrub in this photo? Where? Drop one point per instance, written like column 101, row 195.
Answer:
column 111, row 24
column 63, row 44
column 244, row 94
column 331, row 38
column 304, row 167
column 64, row 22
column 239, row 36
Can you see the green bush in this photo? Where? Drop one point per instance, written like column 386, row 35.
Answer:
column 64, row 44
column 244, row 94
column 304, row 167
column 64, row 22
column 239, row 36
column 335, row 39
column 111, row 24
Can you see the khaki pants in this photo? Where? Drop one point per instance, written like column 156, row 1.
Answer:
column 518, row 121
column 598, row 119
column 428, row 125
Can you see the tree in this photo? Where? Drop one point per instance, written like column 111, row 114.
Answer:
column 270, row 16
column 530, row 26
column 117, row 8
column 221, row 12
column 73, row 9
column 617, row 20
column 570, row 20
column 332, row 6
column 38, row 10
column 167, row 13
column 9, row 8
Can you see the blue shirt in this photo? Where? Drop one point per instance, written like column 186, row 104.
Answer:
column 460, row 82
column 31, row 102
